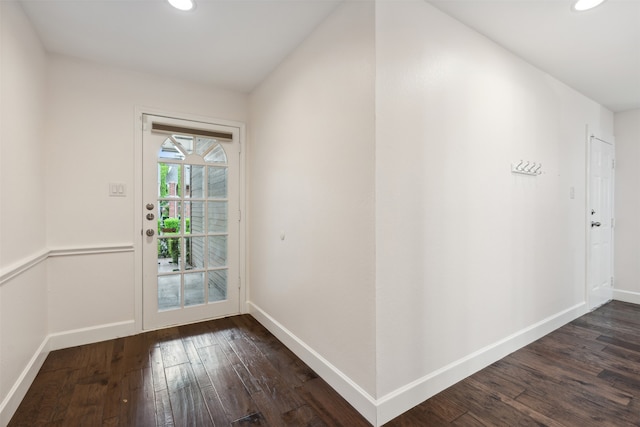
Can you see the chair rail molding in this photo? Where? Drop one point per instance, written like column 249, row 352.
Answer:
column 19, row 267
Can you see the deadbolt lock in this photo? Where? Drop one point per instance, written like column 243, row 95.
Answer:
column 150, row 216
column 150, row 232
column 150, row 206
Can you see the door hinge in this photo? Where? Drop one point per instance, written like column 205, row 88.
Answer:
column 612, row 281
column 613, row 222
column 239, row 215
column 239, row 282
column 613, row 163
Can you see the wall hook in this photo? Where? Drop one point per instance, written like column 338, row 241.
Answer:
column 527, row 168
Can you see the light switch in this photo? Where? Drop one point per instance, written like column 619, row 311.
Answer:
column 117, row 189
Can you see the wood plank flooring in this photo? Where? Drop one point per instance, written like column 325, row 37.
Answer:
column 233, row 372
column 227, row 372
column 586, row 373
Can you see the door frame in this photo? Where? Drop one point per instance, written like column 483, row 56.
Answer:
column 607, row 139
column 138, row 229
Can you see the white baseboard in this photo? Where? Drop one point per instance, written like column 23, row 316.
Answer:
column 10, row 404
column 377, row 412
column 386, row 408
column 92, row 334
column 55, row 342
column 626, row 296
column 348, row 389
column 405, row 398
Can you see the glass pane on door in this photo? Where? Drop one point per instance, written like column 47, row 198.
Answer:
column 191, row 232
column 217, row 285
column 217, row 217
column 169, row 292
column 192, row 224
column 194, row 289
column 217, row 180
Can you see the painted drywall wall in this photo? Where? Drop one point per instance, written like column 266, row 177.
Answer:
column 311, row 180
column 23, row 93
column 90, row 143
column 627, row 206
column 467, row 253
column 23, row 294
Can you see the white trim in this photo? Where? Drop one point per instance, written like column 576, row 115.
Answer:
column 137, row 225
column 53, row 342
column 91, row 334
column 587, row 214
column 243, row 265
column 386, row 408
column 610, row 140
column 139, row 111
column 17, row 268
column 377, row 412
column 11, row 402
column 410, row 395
column 626, row 296
column 89, row 250
column 347, row 388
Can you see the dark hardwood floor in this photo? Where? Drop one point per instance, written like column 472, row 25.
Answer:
column 586, row 373
column 225, row 372
column 234, row 372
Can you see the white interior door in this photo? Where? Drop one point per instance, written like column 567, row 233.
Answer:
column 600, row 221
column 190, row 217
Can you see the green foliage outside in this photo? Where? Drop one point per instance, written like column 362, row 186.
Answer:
column 171, row 247
column 174, row 249
column 172, row 223
column 164, row 187
column 164, row 170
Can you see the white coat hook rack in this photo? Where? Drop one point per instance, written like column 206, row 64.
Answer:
column 526, row 167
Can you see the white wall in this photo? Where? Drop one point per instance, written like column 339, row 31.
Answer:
column 90, row 143
column 23, row 293
column 311, row 166
column 23, row 95
column 471, row 260
column 381, row 148
column 67, row 250
column 627, row 200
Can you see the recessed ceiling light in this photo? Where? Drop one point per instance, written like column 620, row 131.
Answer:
column 182, row 4
column 582, row 5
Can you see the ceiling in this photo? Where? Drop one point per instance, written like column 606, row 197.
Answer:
column 596, row 52
column 228, row 43
column 236, row 43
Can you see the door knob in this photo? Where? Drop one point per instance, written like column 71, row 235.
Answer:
column 595, row 224
column 150, row 232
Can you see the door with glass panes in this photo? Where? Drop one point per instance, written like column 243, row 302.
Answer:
column 190, row 221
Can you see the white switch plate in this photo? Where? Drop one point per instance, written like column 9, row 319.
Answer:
column 117, row 189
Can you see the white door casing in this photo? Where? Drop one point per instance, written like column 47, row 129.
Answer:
column 190, row 217
column 600, row 221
